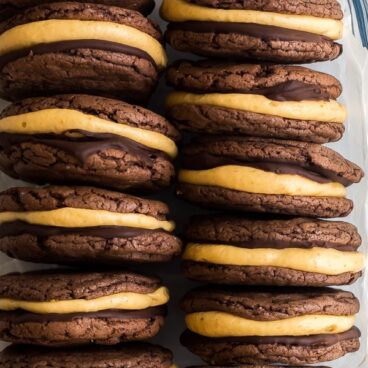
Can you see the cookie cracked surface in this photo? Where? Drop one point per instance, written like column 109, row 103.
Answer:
column 254, row 246
column 84, row 139
column 245, row 342
column 65, row 308
column 290, row 86
column 258, row 175
column 99, row 243
column 124, row 64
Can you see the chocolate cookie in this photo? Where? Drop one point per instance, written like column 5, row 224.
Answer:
column 71, row 47
column 264, row 100
column 88, row 140
column 132, row 355
column 84, row 225
column 267, row 175
column 9, row 8
column 295, row 252
column 59, row 308
column 263, row 30
column 259, row 326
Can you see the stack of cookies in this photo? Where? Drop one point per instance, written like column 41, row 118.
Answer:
column 259, row 124
column 78, row 75
column 71, row 70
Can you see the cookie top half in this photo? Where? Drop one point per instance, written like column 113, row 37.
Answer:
column 211, row 152
column 83, row 11
column 130, row 354
column 281, row 233
column 222, row 77
column 58, row 286
column 49, row 198
column 271, row 304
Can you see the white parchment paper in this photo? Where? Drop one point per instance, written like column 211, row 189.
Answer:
column 352, row 70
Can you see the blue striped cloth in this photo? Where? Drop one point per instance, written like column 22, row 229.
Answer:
column 359, row 12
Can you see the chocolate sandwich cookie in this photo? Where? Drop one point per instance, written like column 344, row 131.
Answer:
column 295, row 252
column 280, row 31
column 267, row 175
column 259, row 326
column 88, row 140
column 59, row 308
column 72, row 47
column 132, row 355
column 263, row 100
column 9, row 8
column 84, row 225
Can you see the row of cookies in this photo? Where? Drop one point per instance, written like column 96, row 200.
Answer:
column 75, row 225
column 259, row 129
column 226, row 325
column 74, row 53
column 288, row 319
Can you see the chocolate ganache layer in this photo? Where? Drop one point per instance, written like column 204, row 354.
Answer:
column 63, row 46
column 286, row 91
column 205, row 161
column 264, row 32
column 16, row 228
column 189, row 338
column 20, row 316
column 88, row 144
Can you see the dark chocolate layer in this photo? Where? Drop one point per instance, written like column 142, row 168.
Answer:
column 189, row 338
column 61, row 46
column 280, row 244
column 208, row 161
column 106, row 232
column 251, row 29
column 20, row 316
column 287, row 91
column 89, row 144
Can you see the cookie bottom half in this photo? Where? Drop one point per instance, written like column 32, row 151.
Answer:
column 267, row 275
column 284, row 350
column 221, row 198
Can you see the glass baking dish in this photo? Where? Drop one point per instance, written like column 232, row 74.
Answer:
column 351, row 70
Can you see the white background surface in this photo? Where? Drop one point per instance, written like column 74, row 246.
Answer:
column 350, row 70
